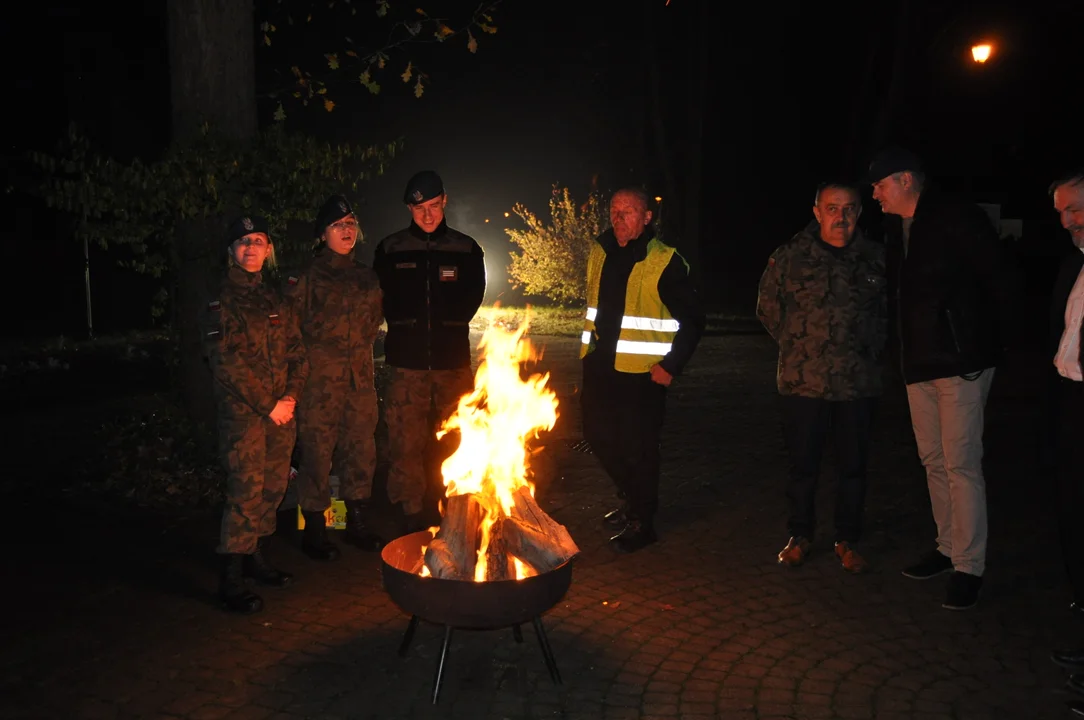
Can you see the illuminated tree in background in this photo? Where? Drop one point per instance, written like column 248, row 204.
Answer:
column 552, row 258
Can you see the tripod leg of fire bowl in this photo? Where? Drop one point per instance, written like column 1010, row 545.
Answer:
column 440, row 662
column 547, row 651
column 517, row 633
column 408, row 636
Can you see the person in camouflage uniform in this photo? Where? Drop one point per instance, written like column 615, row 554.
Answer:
column 823, row 298
column 253, row 345
column 339, row 302
column 434, row 279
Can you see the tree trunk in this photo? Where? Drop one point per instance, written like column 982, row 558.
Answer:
column 656, row 104
column 213, row 82
column 212, row 63
column 890, row 114
column 694, row 150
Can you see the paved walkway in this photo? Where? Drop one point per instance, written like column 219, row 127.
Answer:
column 116, row 618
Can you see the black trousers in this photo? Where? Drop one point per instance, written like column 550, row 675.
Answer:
column 622, row 420
column 806, row 425
column 1070, row 462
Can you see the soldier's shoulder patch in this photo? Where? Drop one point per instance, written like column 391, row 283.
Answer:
column 771, row 261
column 292, row 280
column 214, row 306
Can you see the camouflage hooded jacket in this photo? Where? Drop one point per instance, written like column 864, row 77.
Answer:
column 827, row 309
column 338, row 300
column 252, row 341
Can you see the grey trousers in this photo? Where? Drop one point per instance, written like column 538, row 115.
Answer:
column 948, row 417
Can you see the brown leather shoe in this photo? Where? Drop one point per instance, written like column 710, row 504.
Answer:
column 795, row 553
column 851, row 560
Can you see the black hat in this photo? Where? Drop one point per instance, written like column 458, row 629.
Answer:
column 336, row 208
column 425, row 185
column 890, row 161
column 246, row 225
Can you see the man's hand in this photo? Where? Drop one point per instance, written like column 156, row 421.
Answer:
column 660, row 376
column 283, row 411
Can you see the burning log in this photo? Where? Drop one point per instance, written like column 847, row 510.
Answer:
column 499, row 564
column 453, row 553
column 534, row 537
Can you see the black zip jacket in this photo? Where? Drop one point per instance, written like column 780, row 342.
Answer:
column 955, row 294
column 433, row 285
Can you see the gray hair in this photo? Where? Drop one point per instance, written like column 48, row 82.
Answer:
column 1071, row 177
column 837, row 185
column 639, row 193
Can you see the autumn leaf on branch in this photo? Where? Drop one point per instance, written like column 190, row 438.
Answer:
column 363, row 60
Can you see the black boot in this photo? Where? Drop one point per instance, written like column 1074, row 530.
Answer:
column 618, row 517
column 314, row 540
column 257, row 568
column 358, row 532
column 637, row 535
column 232, row 590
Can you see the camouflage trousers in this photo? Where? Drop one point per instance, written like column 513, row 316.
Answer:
column 412, row 397
column 336, row 422
column 256, row 454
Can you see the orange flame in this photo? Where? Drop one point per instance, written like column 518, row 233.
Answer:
column 496, row 421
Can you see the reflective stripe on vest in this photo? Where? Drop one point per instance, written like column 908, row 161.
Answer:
column 647, row 328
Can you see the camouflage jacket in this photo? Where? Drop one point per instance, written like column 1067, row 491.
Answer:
column 340, row 305
column 828, row 311
column 253, row 344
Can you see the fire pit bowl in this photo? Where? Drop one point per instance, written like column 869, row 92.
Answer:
column 468, row 605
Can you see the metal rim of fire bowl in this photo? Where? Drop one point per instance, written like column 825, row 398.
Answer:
column 464, row 603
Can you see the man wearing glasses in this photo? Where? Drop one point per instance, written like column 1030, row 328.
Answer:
column 434, row 279
column 338, row 300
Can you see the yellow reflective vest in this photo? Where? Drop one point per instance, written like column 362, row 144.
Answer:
column 647, row 327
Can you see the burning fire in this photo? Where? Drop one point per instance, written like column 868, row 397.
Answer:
column 495, row 422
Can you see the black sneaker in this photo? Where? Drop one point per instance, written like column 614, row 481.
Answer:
column 962, row 592
column 931, row 565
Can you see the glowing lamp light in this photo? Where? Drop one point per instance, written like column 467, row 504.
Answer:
column 506, row 214
column 487, row 219
column 658, row 198
column 981, row 53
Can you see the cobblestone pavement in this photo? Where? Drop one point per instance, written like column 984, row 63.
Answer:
column 115, row 616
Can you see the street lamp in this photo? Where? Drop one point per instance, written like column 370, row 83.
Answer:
column 981, row 53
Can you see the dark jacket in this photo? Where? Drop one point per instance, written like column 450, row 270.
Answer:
column 676, row 291
column 827, row 308
column 252, row 340
column 954, row 292
column 433, row 285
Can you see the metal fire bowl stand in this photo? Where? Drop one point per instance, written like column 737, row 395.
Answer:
column 465, row 605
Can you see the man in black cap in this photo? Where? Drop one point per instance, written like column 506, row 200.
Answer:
column 338, row 300
column 434, row 279
column 954, row 304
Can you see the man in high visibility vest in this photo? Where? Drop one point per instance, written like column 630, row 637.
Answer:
column 642, row 326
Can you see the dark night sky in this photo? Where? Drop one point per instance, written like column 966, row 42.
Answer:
column 557, row 95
